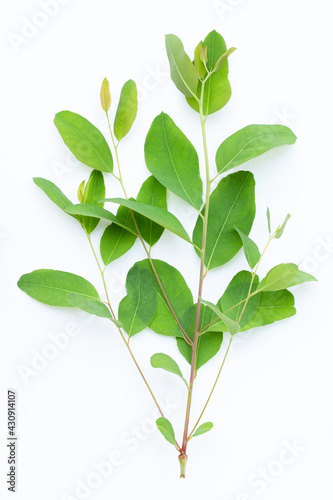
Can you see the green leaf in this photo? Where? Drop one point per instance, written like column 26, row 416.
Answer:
column 251, row 250
column 273, row 306
column 178, row 293
column 182, row 71
column 173, row 160
column 217, row 91
column 165, row 362
column 84, row 140
column 52, row 287
column 117, row 240
column 268, row 215
column 89, row 305
column 54, row 193
column 231, row 204
column 279, row 231
column 221, row 60
column 203, row 428
column 152, row 193
column 138, row 308
column 156, row 214
column 96, row 211
column 279, row 277
column 232, row 326
column 208, row 343
column 301, row 277
column 166, row 429
column 235, row 293
column 126, row 111
column 94, row 192
column 250, row 142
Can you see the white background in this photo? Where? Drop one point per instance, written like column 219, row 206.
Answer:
column 84, row 404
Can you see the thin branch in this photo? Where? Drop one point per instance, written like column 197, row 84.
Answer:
column 123, row 336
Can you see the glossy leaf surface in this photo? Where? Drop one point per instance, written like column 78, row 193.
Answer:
column 156, row 214
column 273, row 306
column 250, row 142
column 138, row 308
column 178, row 293
column 153, row 193
column 173, row 160
column 183, row 73
column 52, row 287
column 84, row 140
column 231, row 204
column 233, row 300
column 127, row 110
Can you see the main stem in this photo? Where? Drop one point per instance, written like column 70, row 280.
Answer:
column 201, row 279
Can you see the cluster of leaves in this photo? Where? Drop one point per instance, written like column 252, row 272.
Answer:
column 157, row 294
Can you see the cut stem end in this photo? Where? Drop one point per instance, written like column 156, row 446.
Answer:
column 183, row 462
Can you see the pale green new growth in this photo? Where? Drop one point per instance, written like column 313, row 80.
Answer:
column 158, row 298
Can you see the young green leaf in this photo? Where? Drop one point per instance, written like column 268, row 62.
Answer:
column 203, row 428
column 232, row 326
column 152, row 193
column 165, row 362
column 231, row 204
column 273, row 306
column 217, row 91
column 178, row 293
column 99, row 212
column 54, row 193
column 105, row 95
column 166, row 429
column 279, row 231
column 250, row 142
column 94, row 192
column 199, row 65
column 127, row 110
column 268, row 215
column 138, row 308
column 117, row 240
column 84, row 140
column 221, row 60
column 251, row 250
column 278, row 278
column 89, row 305
column 156, row 214
column 173, row 160
column 301, row 277
column 52, row 287
column 235, row 295
column 182, row 71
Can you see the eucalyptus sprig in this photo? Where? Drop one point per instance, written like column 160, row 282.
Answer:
column 157, row 296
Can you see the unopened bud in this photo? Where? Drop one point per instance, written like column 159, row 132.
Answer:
column 203, row 53
column 80, row 192
column 105, row 95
